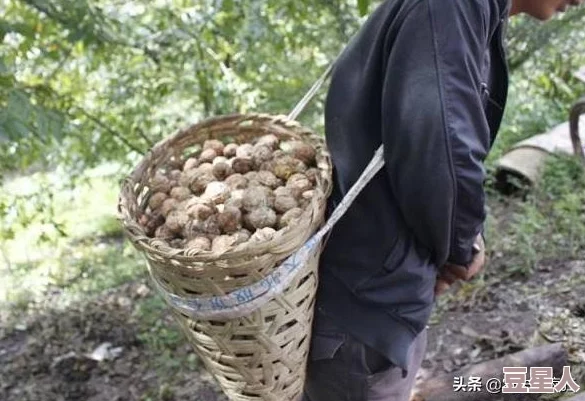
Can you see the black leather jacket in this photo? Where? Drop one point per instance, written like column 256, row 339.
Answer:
column 429, row 80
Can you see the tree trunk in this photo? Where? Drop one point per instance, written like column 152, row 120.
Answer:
column 441, row 388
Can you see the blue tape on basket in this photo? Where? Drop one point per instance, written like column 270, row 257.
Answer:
column 244, row 300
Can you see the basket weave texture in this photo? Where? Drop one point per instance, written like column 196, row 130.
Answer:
column 260, row 355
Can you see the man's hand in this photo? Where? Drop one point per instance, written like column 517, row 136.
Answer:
column 449, row 273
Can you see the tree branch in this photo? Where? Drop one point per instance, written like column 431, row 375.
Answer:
column 114, row 133
column 100, row 33
column 544, row 39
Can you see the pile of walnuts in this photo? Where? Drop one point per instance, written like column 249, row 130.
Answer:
column 228, row 194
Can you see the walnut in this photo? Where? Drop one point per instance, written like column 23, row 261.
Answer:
column 190, row 164
column 236, row 181
column 261, row 154
column 299, row 183
column 269, row 140
column 193, row 229
column 313, row 175
column 176, row 221
column 230, row 219
column 217, row 191
column 268, row 179
column 156, row 200
column 175, row 175
column 284, row 203
column 219, row 159
column 197, row 228
column 303, row 152
column 251, row 176
column 238, row 194
column 201, row 182
column 261, row 217
column 222, row 170
column 174, row 163
column 286, row 166
column 235, row 199
column 199, row 211
column 160, row 183
column 278, row 153
column 206, row 168
column 244, row 151
column 211, row 225
column 197, row 179
column 207, row 156
column 267, row 166
column 284, row 191
column 214, row 144
column 180, row 193
column 256, row 197
column 151, row 222
column 187, row 177
column 194, row 201
column 168, row 206
column 242, row 165
column 230, row 149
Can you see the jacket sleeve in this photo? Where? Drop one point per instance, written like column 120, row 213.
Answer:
column 434, row 130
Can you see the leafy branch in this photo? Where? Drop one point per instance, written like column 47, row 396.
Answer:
column 91, row 32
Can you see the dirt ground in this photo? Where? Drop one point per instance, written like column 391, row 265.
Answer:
column 93, row 352
column 56, row 356
column 511, row 315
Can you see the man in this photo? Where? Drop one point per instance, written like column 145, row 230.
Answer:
column 428, row 79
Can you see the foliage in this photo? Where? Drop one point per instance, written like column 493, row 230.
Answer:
column 548, row 224
column 122, row 76
column 97, row 82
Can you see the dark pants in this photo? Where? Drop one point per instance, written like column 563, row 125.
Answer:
column 341, row 368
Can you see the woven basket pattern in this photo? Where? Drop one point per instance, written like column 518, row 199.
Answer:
column 260, row 356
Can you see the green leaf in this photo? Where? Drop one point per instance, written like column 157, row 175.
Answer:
column 56, row 123
column 42, row 123
column 363, row 6
column 7, row 234
column 19, row 105
column 3, row 132
column 16, row 129
column 21, row 28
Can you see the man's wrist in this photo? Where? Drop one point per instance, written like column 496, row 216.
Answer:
column 476, row 248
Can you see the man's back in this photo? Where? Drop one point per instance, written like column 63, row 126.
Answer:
column 428, row 79
column 415, row 79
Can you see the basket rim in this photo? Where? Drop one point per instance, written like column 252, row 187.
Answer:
column 311, row 216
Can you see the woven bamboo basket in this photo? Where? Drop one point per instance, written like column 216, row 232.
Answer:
column 258, row 352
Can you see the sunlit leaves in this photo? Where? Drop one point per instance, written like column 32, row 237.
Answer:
column 94, row 80
column 363, row 6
